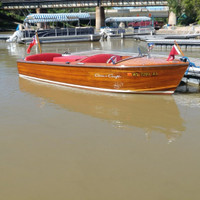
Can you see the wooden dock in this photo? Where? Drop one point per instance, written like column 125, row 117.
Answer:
column 193, row 73
column 185, row 36
column 186, row 41
column 181, row 42
column 4, row 36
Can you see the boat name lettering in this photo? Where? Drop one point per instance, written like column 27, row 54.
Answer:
column 107, row 76
column 154, row 73
column 143, row 74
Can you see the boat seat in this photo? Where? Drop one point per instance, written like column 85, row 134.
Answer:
column 42, row 57
column 68, row 58
column 100, row 58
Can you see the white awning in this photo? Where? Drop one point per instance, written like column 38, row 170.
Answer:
column 127, row 19
column 55, row 17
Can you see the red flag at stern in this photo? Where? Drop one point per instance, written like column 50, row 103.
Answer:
column 173, row 52
column 34, row 42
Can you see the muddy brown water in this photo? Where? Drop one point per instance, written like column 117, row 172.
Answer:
column 63, row 143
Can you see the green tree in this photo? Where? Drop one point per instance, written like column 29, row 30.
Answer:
column 187, row 11
column 190, row 9
column 175, row 6
column 198, row 10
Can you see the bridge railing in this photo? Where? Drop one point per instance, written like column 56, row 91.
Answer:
column 23, row 4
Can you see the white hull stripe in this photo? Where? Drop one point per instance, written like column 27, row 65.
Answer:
column 94, row 88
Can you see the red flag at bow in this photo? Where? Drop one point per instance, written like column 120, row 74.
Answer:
column 173, row 52
column 34, row 42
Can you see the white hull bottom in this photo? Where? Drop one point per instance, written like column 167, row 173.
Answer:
column 94, row 88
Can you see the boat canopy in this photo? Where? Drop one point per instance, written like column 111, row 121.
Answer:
column 127, row 19
column 55, row 17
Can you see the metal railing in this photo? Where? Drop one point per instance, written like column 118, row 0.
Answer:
column 23, row 4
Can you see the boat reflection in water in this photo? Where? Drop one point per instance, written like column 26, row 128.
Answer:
column 153, row 113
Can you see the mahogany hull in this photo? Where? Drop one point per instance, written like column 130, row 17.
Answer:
column 162, row 79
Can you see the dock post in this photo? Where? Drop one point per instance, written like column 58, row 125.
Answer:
column 91, row 38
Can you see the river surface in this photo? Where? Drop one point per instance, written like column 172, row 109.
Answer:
column 59, row 143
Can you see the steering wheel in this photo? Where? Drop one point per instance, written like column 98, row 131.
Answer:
column 112, row 59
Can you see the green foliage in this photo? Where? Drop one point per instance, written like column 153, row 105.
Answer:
column 190, row 11
column 160, row 19
column 71, row 10
column 175, row 6
column 9, row 18
column 0, row 7
column 187, row 11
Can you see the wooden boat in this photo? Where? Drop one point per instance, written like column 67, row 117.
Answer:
column 105, row 72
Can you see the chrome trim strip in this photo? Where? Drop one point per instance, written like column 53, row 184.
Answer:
column 94, row 88
column 84, row 65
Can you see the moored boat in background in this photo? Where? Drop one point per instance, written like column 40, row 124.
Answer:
column 55, row 27
column 128, row 26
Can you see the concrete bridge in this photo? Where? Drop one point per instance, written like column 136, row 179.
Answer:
column 156, row 13
column 31, row 4
column 41, row 5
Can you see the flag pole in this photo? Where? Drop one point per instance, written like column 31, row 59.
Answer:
column 38, row 41
column 179, row 48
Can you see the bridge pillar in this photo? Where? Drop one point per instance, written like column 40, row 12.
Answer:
column 38, row 11
column 100, row 17
column 172, row 18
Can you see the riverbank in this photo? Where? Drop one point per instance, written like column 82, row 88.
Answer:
column 179, row 30
column 7, row 23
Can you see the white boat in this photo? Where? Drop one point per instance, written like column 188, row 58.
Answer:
column 127, row 26
column 56, row 27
